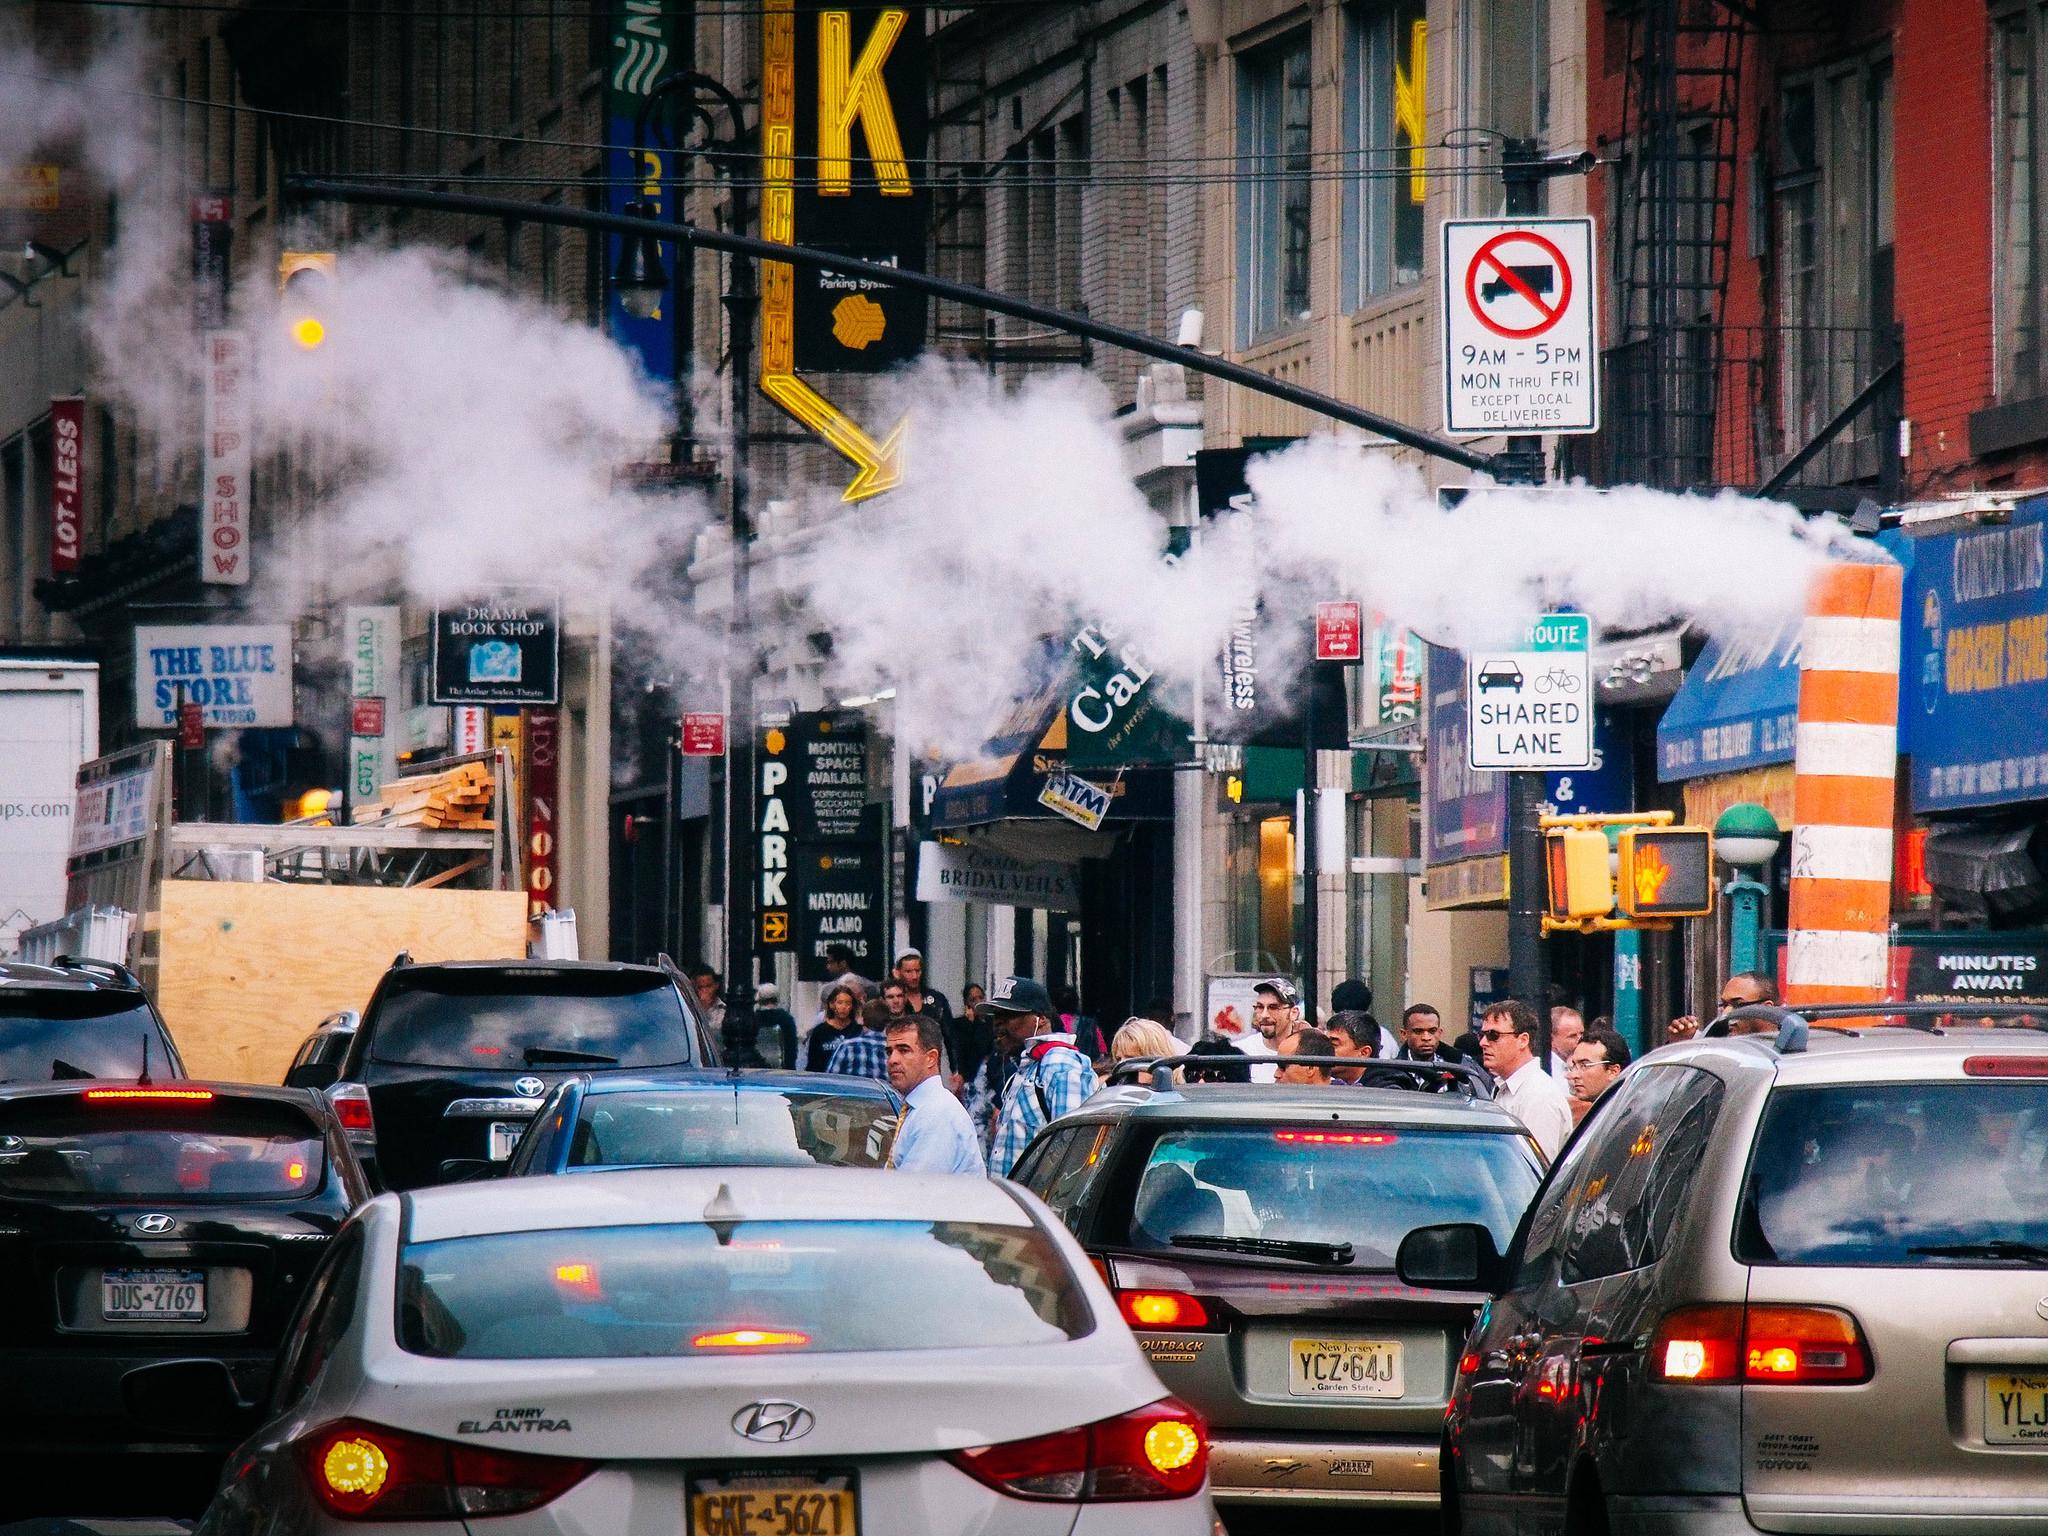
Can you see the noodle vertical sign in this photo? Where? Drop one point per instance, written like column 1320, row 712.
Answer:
column 541, row 786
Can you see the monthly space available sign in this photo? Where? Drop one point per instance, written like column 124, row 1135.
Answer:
column 1519, row 310
column 239, row 674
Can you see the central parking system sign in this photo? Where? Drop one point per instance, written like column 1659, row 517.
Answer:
column 1519, row 312
column 1532, row 707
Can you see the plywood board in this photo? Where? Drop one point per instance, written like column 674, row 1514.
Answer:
column 247, row 971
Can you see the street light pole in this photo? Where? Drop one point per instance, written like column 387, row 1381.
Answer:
column 742, row 307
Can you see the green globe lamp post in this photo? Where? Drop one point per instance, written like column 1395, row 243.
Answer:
column 1746, row 838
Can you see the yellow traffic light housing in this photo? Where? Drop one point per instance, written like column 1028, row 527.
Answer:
column 1578, row 884
column 1666, row 872
column 305, row 286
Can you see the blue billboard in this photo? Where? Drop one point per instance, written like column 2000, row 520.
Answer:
column 1973, row 706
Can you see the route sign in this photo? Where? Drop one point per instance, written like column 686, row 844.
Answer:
column 1519, row 310
column 1532, row 707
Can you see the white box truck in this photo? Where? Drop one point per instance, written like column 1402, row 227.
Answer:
column 49, row 724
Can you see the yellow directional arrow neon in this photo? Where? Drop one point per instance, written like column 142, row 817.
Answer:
column 878, row 466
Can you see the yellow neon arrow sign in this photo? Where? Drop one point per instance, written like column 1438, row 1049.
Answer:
column 878, row 466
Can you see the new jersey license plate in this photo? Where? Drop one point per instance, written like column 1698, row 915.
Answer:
column 1344, row 1368
column 774, row 1504
column 2016, row 1410
column 153, row 1295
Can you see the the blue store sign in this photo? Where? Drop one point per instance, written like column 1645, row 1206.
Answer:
column 1974, row 688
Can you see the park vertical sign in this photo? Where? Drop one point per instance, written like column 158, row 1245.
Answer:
column 1519, row 311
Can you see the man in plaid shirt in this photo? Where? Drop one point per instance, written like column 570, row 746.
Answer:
column 864, row 1053
column 1052, row 1077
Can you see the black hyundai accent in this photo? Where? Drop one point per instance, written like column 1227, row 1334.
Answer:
column 452, row 1059
column 154, row 1240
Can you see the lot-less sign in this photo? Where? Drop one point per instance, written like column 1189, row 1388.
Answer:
column 239, row 674
column 1532, row 706
column 501, row 648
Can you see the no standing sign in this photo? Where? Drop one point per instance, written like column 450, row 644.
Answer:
column 1519, row 314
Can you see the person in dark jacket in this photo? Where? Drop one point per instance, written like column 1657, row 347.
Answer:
column 771, row 1041
column 841, row 1018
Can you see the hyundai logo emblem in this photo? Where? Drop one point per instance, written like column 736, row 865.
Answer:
column 155, row 1223
column 530, row 1087
column 773, row 1422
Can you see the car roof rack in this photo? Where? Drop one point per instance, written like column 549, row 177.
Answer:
column 1922, row 1018
column 1472, row 1082
column 108, row 968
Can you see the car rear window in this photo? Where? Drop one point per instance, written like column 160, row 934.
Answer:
column 1901, row 1174
column 1326, row 1184
column 47, row 1034
column 515, row 1019
column 164, row 1151
column 732, row 1124
column 740, row 1288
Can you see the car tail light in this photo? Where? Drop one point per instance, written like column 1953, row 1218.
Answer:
column 1174, row 1311
column 2005, row 1066
column 752, row 1338
column 1335, row 1138
column 149, row 1095
column 352, row 1108
column 368, row 1472
column 1809, row 1346
column 1801, row 1346
column 1159, row 1452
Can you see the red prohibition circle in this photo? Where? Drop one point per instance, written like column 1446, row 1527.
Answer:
column 1484, row 257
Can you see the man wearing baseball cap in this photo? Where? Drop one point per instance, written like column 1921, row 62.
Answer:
column 1052, row 1076
column 1276, row 1015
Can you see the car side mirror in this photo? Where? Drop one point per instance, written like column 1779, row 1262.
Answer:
column 313, row 1074
column 1458, row 1256
column 469, row 1170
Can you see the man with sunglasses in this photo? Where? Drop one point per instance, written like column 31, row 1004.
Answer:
column 1741, row 990
column 1507, row 1039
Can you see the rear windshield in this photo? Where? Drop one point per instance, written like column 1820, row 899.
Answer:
column 509, row 1021
column 124, row 1150
column 747, row 1287
column 59, row 1034
column 1899, row 1174
column 730, row 1125
column 1327, row 1184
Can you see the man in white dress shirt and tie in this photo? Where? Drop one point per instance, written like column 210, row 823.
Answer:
column 936, row 1135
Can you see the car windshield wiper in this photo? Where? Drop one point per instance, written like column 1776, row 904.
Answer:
column 1269, row 1247
column 536, row 1054
column 62, row 1071
column 1997, row 1248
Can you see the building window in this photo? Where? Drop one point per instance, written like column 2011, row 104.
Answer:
column 1386, row 65
column 2017, row 43
column 1833, row 194
column 1274, row 173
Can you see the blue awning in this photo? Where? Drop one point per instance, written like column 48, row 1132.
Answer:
column 1738, row 707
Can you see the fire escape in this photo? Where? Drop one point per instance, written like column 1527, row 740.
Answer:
column 1796, row 405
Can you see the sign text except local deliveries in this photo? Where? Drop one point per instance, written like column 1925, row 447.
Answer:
column 504, row 647
column 1531, row 707
column 239, row 674
column 957, row 872
column 1518, row 324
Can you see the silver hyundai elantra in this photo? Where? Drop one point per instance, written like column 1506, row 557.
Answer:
column 716, row 1352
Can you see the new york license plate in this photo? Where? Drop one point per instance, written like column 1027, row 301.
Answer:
column 1344, row 1368
column 773, row 1504
column 155, row 1295
column 505, row 1136
column 2016, row 1410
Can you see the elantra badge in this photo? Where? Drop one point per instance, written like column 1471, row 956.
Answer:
column 776, row 1423
column 156, row 1223
column 529, row 1087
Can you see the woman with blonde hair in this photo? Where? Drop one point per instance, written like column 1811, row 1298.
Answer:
column 1145, row 1038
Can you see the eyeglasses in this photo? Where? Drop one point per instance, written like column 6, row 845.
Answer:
column 1497, row 1034
column 1576, row 1065
column 1738, row 1002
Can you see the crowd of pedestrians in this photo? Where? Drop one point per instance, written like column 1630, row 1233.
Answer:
column 982, row 1080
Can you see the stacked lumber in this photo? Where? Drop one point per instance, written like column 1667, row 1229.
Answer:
column 456, row 801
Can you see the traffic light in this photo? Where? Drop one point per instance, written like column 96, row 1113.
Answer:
column 305, row 288
column 1579, row 885
column 1667, row 872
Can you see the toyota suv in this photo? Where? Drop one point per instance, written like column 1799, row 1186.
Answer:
column 1249, row 1232
column 1789, row 1281
column 450, row 1060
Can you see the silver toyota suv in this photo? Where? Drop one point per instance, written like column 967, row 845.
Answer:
column 1781, row 1282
